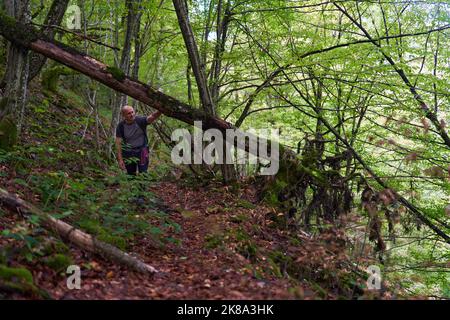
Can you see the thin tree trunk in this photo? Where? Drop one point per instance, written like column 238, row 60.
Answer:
column 124, row 65
column 208, row 102
column 204, row 44
column 137, row 50
column 54, row 18
column 189, row 84
column 228, row 170
column 221, row 38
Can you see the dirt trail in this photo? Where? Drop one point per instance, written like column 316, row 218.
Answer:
column 192, row 269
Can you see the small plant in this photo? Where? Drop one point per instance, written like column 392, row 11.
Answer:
column 213, row 241
column 58, row 262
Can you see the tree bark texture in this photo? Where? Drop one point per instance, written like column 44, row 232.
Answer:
column 16, row 75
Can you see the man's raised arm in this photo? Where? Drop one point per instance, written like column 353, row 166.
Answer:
column 155, row 115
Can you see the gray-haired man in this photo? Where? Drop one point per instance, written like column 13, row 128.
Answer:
column 132, row 141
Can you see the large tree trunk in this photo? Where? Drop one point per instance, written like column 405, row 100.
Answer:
column 228, row 170
column 16, row 79
column 198, row 68
column 54, row 17
column 75, row 236
column 28, row 37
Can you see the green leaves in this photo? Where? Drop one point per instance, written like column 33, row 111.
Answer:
column 63, row 215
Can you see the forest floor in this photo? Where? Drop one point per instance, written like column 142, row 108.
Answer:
column 203, row 265
column 210, row 261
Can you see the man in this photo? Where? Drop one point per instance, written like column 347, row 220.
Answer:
column 132, row 142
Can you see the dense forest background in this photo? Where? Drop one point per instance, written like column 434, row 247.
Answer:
column 359, row 91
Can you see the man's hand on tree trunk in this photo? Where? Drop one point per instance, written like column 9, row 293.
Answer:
column 151, row 118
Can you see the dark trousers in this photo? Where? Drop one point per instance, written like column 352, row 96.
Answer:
column 136, row 161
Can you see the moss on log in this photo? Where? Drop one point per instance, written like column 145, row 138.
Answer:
column 117, row 73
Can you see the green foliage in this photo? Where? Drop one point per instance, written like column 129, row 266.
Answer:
column 248, row 249
column 245, row 204
column 52, row 245
column 352, row 87
column 214, row 240
column 117, row 73
column 51, row 75
column 239, row 218
column 58, row 262
column 25, row 237
column 281, row 262
column 12, row 274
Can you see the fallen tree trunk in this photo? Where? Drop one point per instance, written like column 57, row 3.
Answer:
column 79, row 238
column 28, row 37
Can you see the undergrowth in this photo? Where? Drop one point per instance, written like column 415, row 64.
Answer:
column 60, row 169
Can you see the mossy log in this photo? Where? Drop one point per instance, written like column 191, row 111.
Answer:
column 79, row 238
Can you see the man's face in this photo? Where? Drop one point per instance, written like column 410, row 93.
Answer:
column 128, row 114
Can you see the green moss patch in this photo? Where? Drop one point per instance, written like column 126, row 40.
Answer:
column 17, row 280
column 58, row 262
column 117, row 73
column 51, row 75
column 18, row 33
